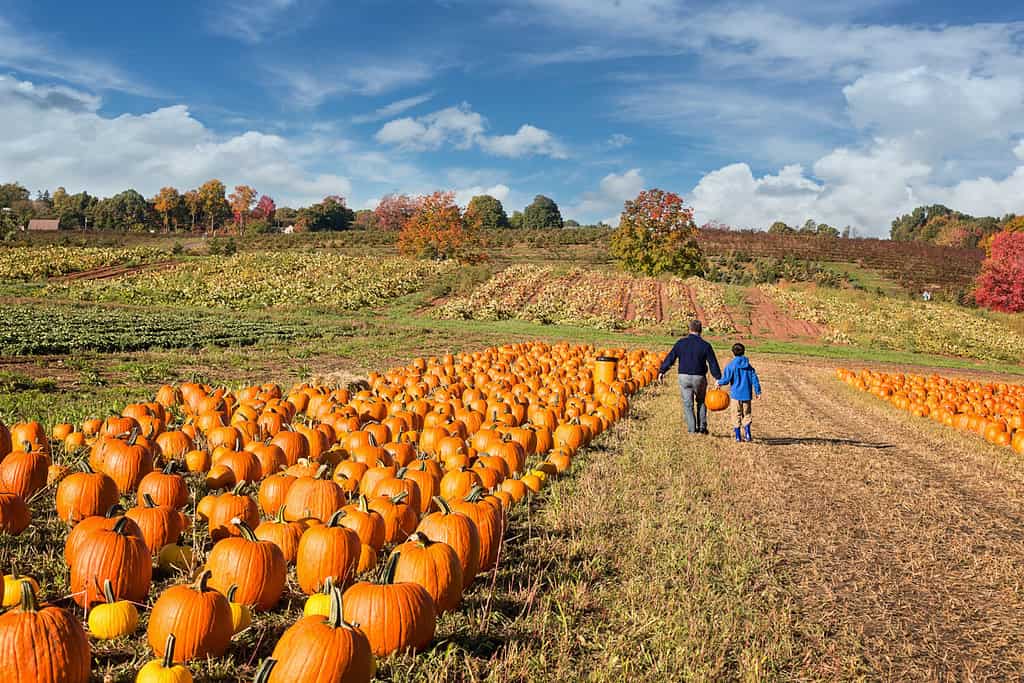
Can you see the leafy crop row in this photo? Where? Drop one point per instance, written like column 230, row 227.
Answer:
column 258, row 279
column 36, row 263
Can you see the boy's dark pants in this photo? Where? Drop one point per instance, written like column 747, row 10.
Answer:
column 743, row 417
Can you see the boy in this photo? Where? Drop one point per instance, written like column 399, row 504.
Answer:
column 745, row 385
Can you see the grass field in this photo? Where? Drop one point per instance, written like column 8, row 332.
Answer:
column 849, row 542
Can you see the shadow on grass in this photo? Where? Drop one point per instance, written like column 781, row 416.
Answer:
column 820, row 441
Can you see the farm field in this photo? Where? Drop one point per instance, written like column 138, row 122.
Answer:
column 851, row 541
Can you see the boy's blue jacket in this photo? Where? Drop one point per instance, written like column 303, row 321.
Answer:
column 743, row 379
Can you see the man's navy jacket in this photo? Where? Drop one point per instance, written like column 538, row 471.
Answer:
column 695, row 357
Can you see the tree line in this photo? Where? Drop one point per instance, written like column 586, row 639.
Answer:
column 211, row 208
column 940, row 225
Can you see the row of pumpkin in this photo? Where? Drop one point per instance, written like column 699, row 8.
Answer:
column 992, row 410
column 419, row 465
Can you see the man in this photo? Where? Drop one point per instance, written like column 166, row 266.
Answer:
column 695, row 356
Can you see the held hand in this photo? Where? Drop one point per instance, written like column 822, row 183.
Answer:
column 757, row 396
column 661, row 377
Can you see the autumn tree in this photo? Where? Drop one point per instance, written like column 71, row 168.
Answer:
column 543, row 213
column 1000, row 286
column 394, row 210
column 169, row 205
column 486, row 213
column 365, row 219
column 265, row 209
column 330, row 214
column 657, row 234
column 241, row 201
column 437, row 230
column 193, row 204
column 215, row 207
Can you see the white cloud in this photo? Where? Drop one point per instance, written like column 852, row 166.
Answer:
column 30, row 53
column 459, row 126
column 50, row 142
column 1019, row 150
column 606, row 203
column 308, row 88
column 619, row 140
column 463, row 128
column 393, row 109
column 250, row 21
column 527, row 141
column 500, row 192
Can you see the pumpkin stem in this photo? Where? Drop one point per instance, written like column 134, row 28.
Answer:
column 108, row 591
column 237, row 490
column 372, row 440
column 335, row 519
column 28, row 598
column 86, row 467
column 388, row 575
column 148, row 500
column 401, row 496
column 133, row 436
column 231, row 592
column 171, row 466
column 442, row 504
column 168, row 662
column 400, row 474
column 475, row 494
column 321, row 471
column 328, row 585
column 200, row 584
column 364, row 503
column 335, row 618
column 246, row 530
column 120, row 525
column 421, row 538
column 263, row 673
column 113, row 511
column 280, row 516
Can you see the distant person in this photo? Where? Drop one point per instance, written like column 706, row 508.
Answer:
column 694, row 357
column 745, row 386
column 927, row 296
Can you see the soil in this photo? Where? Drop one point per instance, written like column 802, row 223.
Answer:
column 107, row 272
column 903, row 539
column 769, row 321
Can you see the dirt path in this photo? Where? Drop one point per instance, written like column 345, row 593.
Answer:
column 904, row 540
column 107, row 272
column 769, row 321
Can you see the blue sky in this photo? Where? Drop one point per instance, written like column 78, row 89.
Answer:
column 850, row 113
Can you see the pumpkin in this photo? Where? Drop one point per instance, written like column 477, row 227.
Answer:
column 400, row 518
column 716, row 400
column 292, row 444
column 42, row 644
column 458, row 531
column 319, row 648
column 282, row 533
column 270, row 457
column 199, row 618
column 175, row 557
column 391, row 486
column 313, row 497
column 160, row 524
column 368, row 524
column 24, row 472
column 127, row 462
column 328, row 550
column 115, row 554
column 164, row 670
column 114, row 618
column 85, row 494
column 273, row 491
column 256, row 567
column 226, row 507
column 396, row 617
column 11, row 592
column 427, row 480
column 14, row 514
column 241, row 615
column 165, row 486
column 489, row 520
column 433, row 565
column 320, row 603
column 76, row 537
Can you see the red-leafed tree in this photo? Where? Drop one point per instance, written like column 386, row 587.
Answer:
column 241, row 201
column 1000, row 286
column 265, row 209
column 437, row 230
column 394, row 210
column 656, row 234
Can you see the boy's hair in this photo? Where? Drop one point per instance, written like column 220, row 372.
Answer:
column 738, row 349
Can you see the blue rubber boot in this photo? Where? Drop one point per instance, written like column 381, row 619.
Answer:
column 736, row 431
column 746, row 433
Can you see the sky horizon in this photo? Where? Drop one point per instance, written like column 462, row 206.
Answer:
column 850, row 114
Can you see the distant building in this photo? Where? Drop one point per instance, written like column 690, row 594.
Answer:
column 44, row 224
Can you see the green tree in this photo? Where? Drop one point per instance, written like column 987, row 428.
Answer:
column 330, row 214
column 72, row 209
column 516, row 220
column 780, row 228
column 656, row 234
column 126, row 210
column 215, row 207
column 12, row 193
column 543, row 213
column 486, row 213
column 826, row 230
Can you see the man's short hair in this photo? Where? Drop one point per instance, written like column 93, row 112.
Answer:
column 738, row 349
column 696, row 327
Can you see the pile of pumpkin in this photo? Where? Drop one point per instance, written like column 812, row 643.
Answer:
column 415, row 469
column 993, row 411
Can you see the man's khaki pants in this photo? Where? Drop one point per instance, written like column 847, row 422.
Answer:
column 743, row 417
